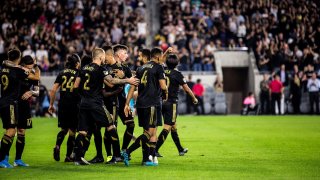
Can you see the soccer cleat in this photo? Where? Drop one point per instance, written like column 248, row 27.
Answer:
column 155, row 161
column 6, row 162
column 158, row 154
column 56, row 153
column 112, row 161
column 109, row 158
column 148, row 163
column 81, row 162
column 96, row 159
column 3, row 164
column 19, row 162
column 184, row 151
column 125, row 156
column 69, row 159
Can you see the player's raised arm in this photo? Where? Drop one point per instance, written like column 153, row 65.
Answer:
column 36, row 75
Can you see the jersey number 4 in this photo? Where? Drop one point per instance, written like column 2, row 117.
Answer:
column 67, row 83
column 144, row 78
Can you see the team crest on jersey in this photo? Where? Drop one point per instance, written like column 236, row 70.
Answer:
column 106, row 73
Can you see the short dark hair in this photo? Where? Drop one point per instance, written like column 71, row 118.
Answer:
column 118, row 47
column 27, row 60
column 172, row 61
column 145, row 52
column 198, row 80
column 106, row 48
column 86, row 59
column 155, row 52
column 14, row 54
column 250, row 94
column 72, row 60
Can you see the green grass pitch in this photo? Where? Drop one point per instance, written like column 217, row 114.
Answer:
column 220, row 147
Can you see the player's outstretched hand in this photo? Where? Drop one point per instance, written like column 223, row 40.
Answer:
column 51, row 109
column 127, row 110
column 134, row 81
column 195, row 101
column 26, row 95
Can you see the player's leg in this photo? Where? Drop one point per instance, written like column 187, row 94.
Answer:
column 70, row 145
column 98, row 143
column 60, row 137
column 20, row 143
column 111, row 107
column 169, row 113
column 176, row 140
column 128, row 121
column 9, row 116
column 82, row 139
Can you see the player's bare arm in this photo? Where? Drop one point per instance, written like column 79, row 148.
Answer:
column 53, row 92
column 190, row 93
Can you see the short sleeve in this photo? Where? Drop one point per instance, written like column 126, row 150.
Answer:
column 160, row 72
column 181, row 79
column 58, row 79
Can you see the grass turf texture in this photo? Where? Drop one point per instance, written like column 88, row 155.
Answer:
column 224, row 147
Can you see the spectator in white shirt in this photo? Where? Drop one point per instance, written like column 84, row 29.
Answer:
column 42, row 58
column 29, row 52
column 313, row 89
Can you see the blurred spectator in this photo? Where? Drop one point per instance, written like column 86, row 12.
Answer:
column 198, row 91
column 250, row 103
column 276, row 91
column 313, row 89
column 264, row 94
column 295, row 93
column 218, row 84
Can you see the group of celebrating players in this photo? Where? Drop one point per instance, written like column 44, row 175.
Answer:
column 92, row 96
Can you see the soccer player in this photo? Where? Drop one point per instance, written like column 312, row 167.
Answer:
column 68, row 106
column 11, row 78
column 174, row 79
column 121, row 55
column 28, row 88
column 148, row 104
column 110, row 94
column 92, row 110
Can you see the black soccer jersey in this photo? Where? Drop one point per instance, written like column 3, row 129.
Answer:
column 66, row 79
column 174, row 79
column 26, row 86
column 149, row 91
column 10, row 84
column 112, row 99
column 91, row 84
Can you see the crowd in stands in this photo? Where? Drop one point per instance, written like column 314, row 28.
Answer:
column 278, row 31
column 49, row 30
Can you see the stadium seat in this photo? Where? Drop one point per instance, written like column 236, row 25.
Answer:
column 220, row 106
column 207, row 108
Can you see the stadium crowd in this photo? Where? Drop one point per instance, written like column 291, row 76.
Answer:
column 52, row 29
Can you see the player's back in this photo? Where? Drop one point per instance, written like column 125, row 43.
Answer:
column 10, row 84
column 91, row 85
column 149, row 92
column 66, row 79
column 174, row 79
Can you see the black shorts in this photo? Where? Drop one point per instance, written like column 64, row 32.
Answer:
column 149, row 117
column 169, row 113
column 24, row 119
column 68, row 116
column 122, row 103
column 89, row 119
column 9, row 115
column 113, row 110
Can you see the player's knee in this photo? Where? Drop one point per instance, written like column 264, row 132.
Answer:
column 84, row 133
column 72, row 132
column 167, row 127
column 21, row 131
column 173, row 128
column 11, row 132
